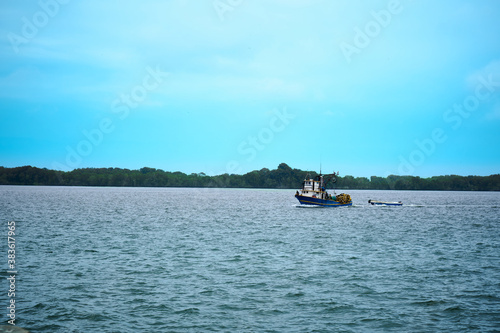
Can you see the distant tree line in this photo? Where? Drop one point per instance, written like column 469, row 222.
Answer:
column 282, row 177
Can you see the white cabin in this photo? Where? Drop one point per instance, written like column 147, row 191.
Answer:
column 315, row 188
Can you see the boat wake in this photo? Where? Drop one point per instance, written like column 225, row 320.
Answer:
column 307, row 206
column 358, row 206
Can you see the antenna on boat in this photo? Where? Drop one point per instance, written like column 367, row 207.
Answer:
column 320, row 159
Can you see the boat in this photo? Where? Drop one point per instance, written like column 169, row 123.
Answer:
column 385, row 203
column 314, row 192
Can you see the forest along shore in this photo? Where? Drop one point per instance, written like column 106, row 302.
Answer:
column 282, row 177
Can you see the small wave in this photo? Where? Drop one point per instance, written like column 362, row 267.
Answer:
column 332, row 307
column 207, row 292
column 94, row 317
column 232, row 307
column 188, row 311
column 430, row 302
column 74, row 287
column 295, row 294
column 41, row 306
column 269, row 312
column 454, row 308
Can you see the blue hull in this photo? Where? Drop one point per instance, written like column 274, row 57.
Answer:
column 320, row 202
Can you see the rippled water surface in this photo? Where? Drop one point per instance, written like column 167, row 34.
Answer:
column 231, row 260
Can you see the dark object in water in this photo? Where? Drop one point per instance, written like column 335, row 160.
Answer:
column 385, row 203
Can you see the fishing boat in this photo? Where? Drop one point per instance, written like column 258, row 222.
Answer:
column 314, row 192
column 385, row 203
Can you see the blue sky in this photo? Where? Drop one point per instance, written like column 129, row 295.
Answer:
column 361, row 87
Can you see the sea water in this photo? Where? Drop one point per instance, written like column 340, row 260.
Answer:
column 243, row 260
